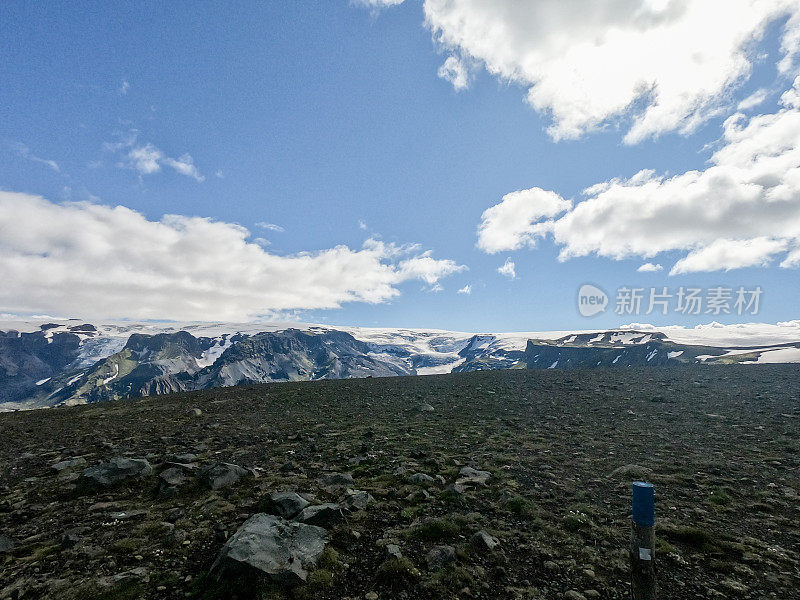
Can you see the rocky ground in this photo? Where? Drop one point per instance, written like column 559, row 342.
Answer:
column 502, row 484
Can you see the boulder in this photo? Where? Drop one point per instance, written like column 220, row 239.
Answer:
column 270, row 545
column 421, row 478
column 393, row 551
column 470, row 476
column 483, row 541
column 356, row 500
column 440, row 556
column 68, row 465
column 111, row 473
column 334, row 480
column 322, row 515
column 287, row 504
column 221, row 475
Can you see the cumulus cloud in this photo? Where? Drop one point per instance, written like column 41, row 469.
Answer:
column 743, row 210
column 25, row 153
column 467, row 289
column 649, row 267
column 95, row 261
column 657, row 65
column 508, row 269
column 514, row 222
column 123, row 87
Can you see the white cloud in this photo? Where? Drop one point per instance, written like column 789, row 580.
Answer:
column 753, row 100
column 730, row 254
column 742, row 210
column 123, row 87
column 148, row 159
column 362, row 225
column 219, row 175
column 25, row 153
column 377, row 3
column 649, row 267
column 512, row 223
column 94, row 261
column 508, row 269
column 467, row 289
column 456, row 71
column 185, row 166
column 660, row 66
column 270, row 226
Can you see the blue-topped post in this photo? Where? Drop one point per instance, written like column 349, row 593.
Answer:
column 642, row 550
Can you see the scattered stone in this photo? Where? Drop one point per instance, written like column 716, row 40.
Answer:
column 632, row 472
column 287, row 504
column 393, row 551
column 484, row 541
column 322, row 515
column 470, row 476
column 421, row 478
column 195, row 412
column 68, row 465
column 573, row 595
column 439, row 556
column 425, row 407
column 334, row 480
column 221, row 475
column 282, row 550
column 591, row 593
column 456, row 489
column 6, row 544
column 356, row 500
column 170, row 480
column 174, row 515
column 111, row 473
column 70, row 537
column 371, row 596
column 129, row 515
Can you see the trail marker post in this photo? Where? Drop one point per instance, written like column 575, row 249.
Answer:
column 642, row 549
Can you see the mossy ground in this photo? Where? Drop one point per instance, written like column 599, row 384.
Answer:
column 722, row 448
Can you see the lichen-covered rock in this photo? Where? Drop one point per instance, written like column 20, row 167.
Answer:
column 287, row 504
column 111, row 473
column 221, row 475
column 282, row 550
column 323, row 515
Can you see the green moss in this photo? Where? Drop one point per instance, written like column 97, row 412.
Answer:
column 397, row 572
column 520, row 505
column 434, row 529
column 720, row 498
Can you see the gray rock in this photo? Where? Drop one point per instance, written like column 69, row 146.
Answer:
column 425, row 407
column 484, row 541
column 632, row 472
column 71, row 537
column 356, row 500
column 421, row 478
column 287, row 504
column 282, row 550
column 221, row 475
column 68, row 465
column 336, row 480
column 128, row 515
column 6, row 544
column 195, row 412
column 111, row 473
column 440, row 556
column 455, row 489
column 470, row 476
column 322, row 515
column 393, row 551
column 573, row 595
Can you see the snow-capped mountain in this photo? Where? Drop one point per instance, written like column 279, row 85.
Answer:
column 57, row 362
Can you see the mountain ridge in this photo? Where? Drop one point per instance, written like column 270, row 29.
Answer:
column 76, row 363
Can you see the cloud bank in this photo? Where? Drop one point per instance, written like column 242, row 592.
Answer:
column 95, row 261
column 743, row 210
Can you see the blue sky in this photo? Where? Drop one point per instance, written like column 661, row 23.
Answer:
column 319, row 116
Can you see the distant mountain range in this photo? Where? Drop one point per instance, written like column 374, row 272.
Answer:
column 45, row 364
